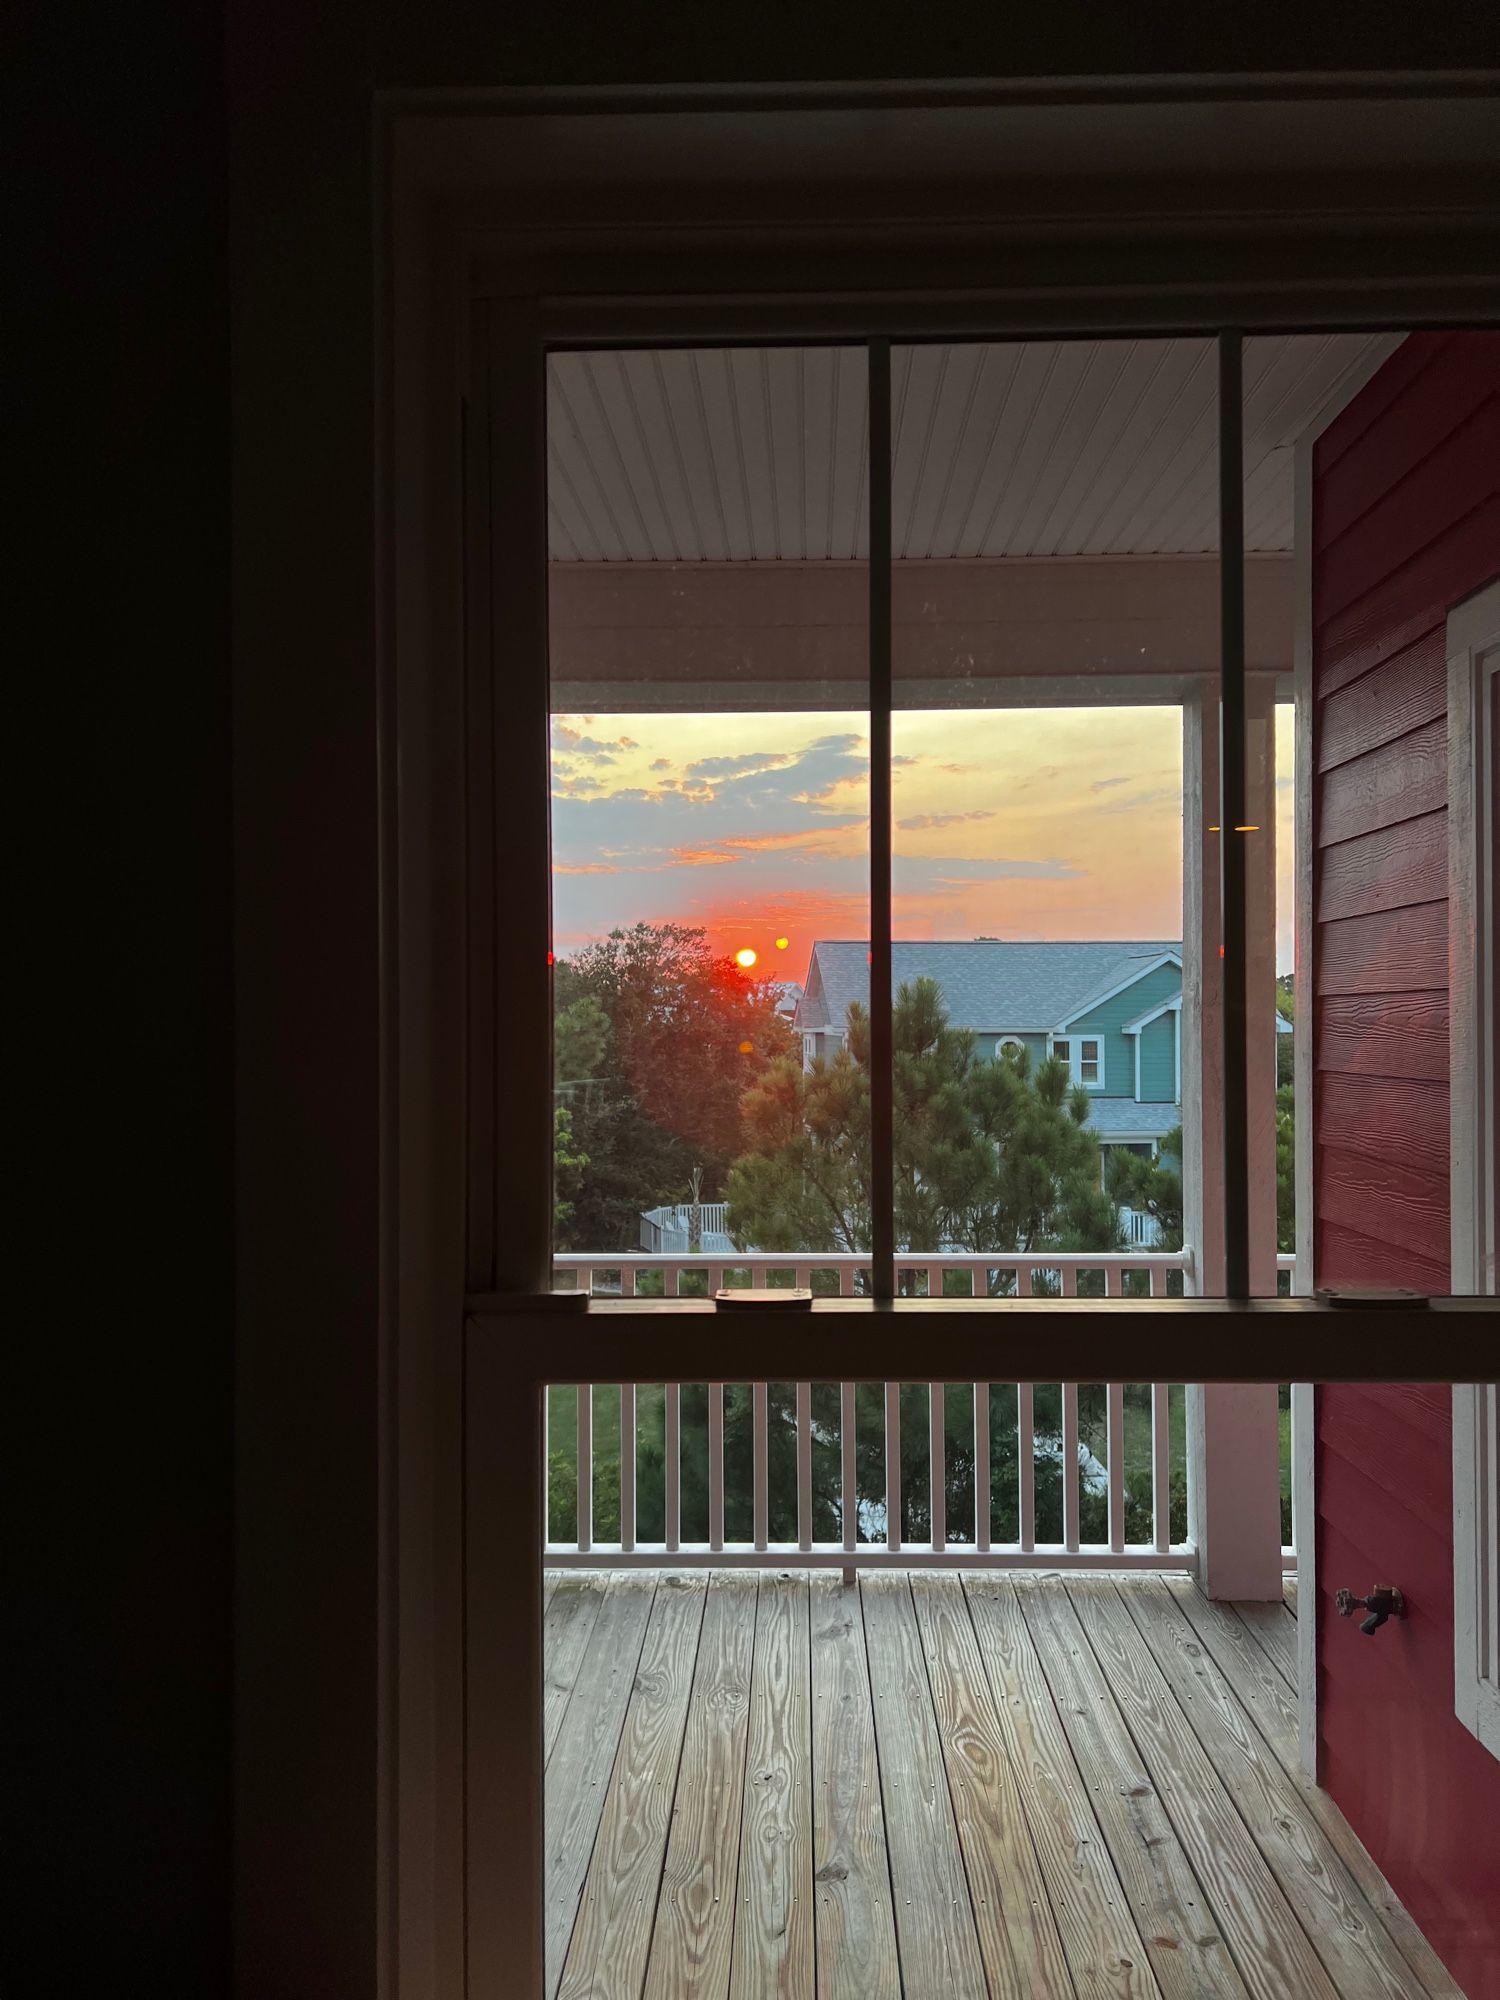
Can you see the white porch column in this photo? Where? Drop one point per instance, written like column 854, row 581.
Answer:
column 1233, row 1435
column 1202, row 1079
column 1234, row 1488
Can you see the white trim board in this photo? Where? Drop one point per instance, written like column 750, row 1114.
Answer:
column 1476, row 1579
column 1473, row 649
column 1119, row 986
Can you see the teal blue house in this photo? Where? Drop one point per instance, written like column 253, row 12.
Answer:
column 1112, row 1011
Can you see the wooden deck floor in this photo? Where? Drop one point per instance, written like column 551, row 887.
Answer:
column 932, row 1785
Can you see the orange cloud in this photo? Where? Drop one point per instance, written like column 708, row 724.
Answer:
column 702, row 857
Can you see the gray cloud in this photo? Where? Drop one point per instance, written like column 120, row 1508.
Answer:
column 922, row 820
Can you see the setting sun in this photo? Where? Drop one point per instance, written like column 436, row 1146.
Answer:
column 746, row 957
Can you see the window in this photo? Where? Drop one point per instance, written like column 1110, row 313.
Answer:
column 1088, row 1063
column 1010, row 1045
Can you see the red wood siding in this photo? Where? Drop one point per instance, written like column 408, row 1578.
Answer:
column 1406, row 521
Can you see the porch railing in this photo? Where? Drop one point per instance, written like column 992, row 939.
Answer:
column 870, row 1527
column 1113, row 1274
column 871, row 1533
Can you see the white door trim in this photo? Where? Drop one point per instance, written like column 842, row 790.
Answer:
column 1473, row 690
column 1473, row 657
column 1305, row 1540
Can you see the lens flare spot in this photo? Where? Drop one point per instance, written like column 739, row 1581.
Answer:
column 746, row 957
column 747, row 1048
column 782, row 943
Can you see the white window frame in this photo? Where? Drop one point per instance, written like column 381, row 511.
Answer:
column 1069, row 1049
column 444, row 176
column 809, row 1050
column 1473, row 651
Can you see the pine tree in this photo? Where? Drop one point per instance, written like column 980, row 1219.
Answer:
column 988, row 1155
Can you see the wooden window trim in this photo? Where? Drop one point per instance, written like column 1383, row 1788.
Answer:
column 450, row 231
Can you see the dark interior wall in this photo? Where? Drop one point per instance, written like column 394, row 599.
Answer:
column 118, row 1592
column 231, row 1195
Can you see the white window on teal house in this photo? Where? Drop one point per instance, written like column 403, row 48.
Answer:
column 1084, row 1057
column 1010, row 1045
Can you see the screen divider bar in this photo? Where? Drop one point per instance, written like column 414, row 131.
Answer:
column 1233, row 832
column 882, row 1156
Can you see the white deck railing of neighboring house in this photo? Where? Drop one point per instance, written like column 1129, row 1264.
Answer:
column 1119, row 1274
column 666, row 1230
column 1141, row 1229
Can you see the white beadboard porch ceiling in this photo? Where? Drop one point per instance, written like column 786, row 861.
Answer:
column 1027, row 448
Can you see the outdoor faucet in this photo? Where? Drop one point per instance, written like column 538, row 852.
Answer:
column 1384, row 1601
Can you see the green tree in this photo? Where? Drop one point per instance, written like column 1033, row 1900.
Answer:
column 1286, row 1009
column 988, row 1155
column 1152, row 1187
column 567, row 1166
column 653, row 1040
column 1286, row 1169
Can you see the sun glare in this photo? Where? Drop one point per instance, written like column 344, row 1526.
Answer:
column 746, row 957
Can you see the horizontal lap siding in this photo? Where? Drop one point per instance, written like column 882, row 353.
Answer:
column 1406, row 522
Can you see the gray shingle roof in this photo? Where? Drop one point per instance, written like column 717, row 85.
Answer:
column 1024, row 988
column 1123, row 1118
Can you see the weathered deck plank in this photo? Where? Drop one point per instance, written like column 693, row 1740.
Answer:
column 1268, row 1945
column 773, row 1925
column 612, row 1937
column 1105, row 1952
column 694, row 1937
column 567, row 1625
column 1177, row 1923
column 934, row 1921
column 1018, row 1936
column 1273, row 1709
column 1354, row 1946
column 1276, row 1634
column 578, row 1776
column 856, row 1925
column 1067, row 1776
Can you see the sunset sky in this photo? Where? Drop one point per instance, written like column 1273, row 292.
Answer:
column 1038, row 823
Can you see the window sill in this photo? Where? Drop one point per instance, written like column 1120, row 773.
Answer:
column 1281, row 1340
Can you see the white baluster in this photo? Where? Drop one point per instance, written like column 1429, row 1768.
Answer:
column 893, row 1466
column 982, row 1466
column 760, row 1453
column 673, row 1483
column 849, row 1511
column 1115, row 1435
column 804, row 1465
column 937, row 1464
column 1026, row 1464
column 585, row 1467
column 627, row 1465
column 1161, row 1466
column 716, row 1465
column 1070, row 1464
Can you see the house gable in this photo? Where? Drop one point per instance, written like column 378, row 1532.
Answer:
column 1107, row 1017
